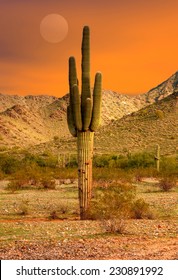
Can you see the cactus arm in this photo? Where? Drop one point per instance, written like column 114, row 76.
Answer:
column 88, row 114
column 71, row 122
column 85, row 66
column 72, row 73
column 76, row 109
column 96, row 114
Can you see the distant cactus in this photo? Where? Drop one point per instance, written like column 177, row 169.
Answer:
column 157, row 157
column 83, row 116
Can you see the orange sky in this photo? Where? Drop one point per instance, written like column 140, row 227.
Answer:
column 133, row 43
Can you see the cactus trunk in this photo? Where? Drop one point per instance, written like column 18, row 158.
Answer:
column 85, row 156
column 83, row 116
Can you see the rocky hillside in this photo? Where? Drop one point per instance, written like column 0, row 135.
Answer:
column 161, row 91
column 142, row 130
column 32, row 120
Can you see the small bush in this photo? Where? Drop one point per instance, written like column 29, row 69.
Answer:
column 53, row 215
column 108, row 174
column 16, row 185
column 113, row 225
column 141, row 209
column 60, row 212
column 169, row 166
column 112, row 202
column 166, row 184
column 101, row 161
column 115, row 203
column 23, row 208
column 139, row 160
column 9, row 164
column 48, row 184
column 72, row 162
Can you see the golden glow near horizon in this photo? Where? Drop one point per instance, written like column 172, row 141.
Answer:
column 133, row 43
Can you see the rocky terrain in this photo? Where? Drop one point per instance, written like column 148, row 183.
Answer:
column 142, row 130
column 38, row 120
column 163, row 90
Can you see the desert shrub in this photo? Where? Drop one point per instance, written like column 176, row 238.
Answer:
column 117, row 202
column 101, row 161
column 107, row 174
column 44, row 160
column 18, row 183
column 167, row 183
column 139, row 173
column 47, row 183
column 61, row 211
column 113, row 225
column 159, row 114
column 169, row 165
column 23, row 208
column 65, row 173
column 138, row 160
column 15, row 185
column 112, row 202
column 141, row 209
column 53, row 215
column 122, row 162
column 129, row 161
column 31, row 176
column 9, row 164
column 49, row 161
column 112, row 163
column 72, row 162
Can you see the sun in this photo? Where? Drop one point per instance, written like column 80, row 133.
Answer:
column 54, row 28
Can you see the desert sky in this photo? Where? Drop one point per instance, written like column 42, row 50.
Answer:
column 133, row 43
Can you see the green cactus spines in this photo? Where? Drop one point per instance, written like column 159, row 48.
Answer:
column 96, row 114
column 83, row 116
column 88, row 114
column 76, row 108
column 70, row 122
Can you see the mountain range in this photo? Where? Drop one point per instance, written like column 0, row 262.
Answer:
column 128, row 122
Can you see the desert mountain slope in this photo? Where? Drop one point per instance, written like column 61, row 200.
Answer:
column 163, row 90
column 31, row 101
column 32, row 120
column 142, row 130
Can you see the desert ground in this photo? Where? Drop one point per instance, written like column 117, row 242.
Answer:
column 45, row 224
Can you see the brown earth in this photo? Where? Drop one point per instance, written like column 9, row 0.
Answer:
column 142, row 239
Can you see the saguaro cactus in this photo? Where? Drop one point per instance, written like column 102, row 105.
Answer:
column 157, row 157
column 83, row 115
